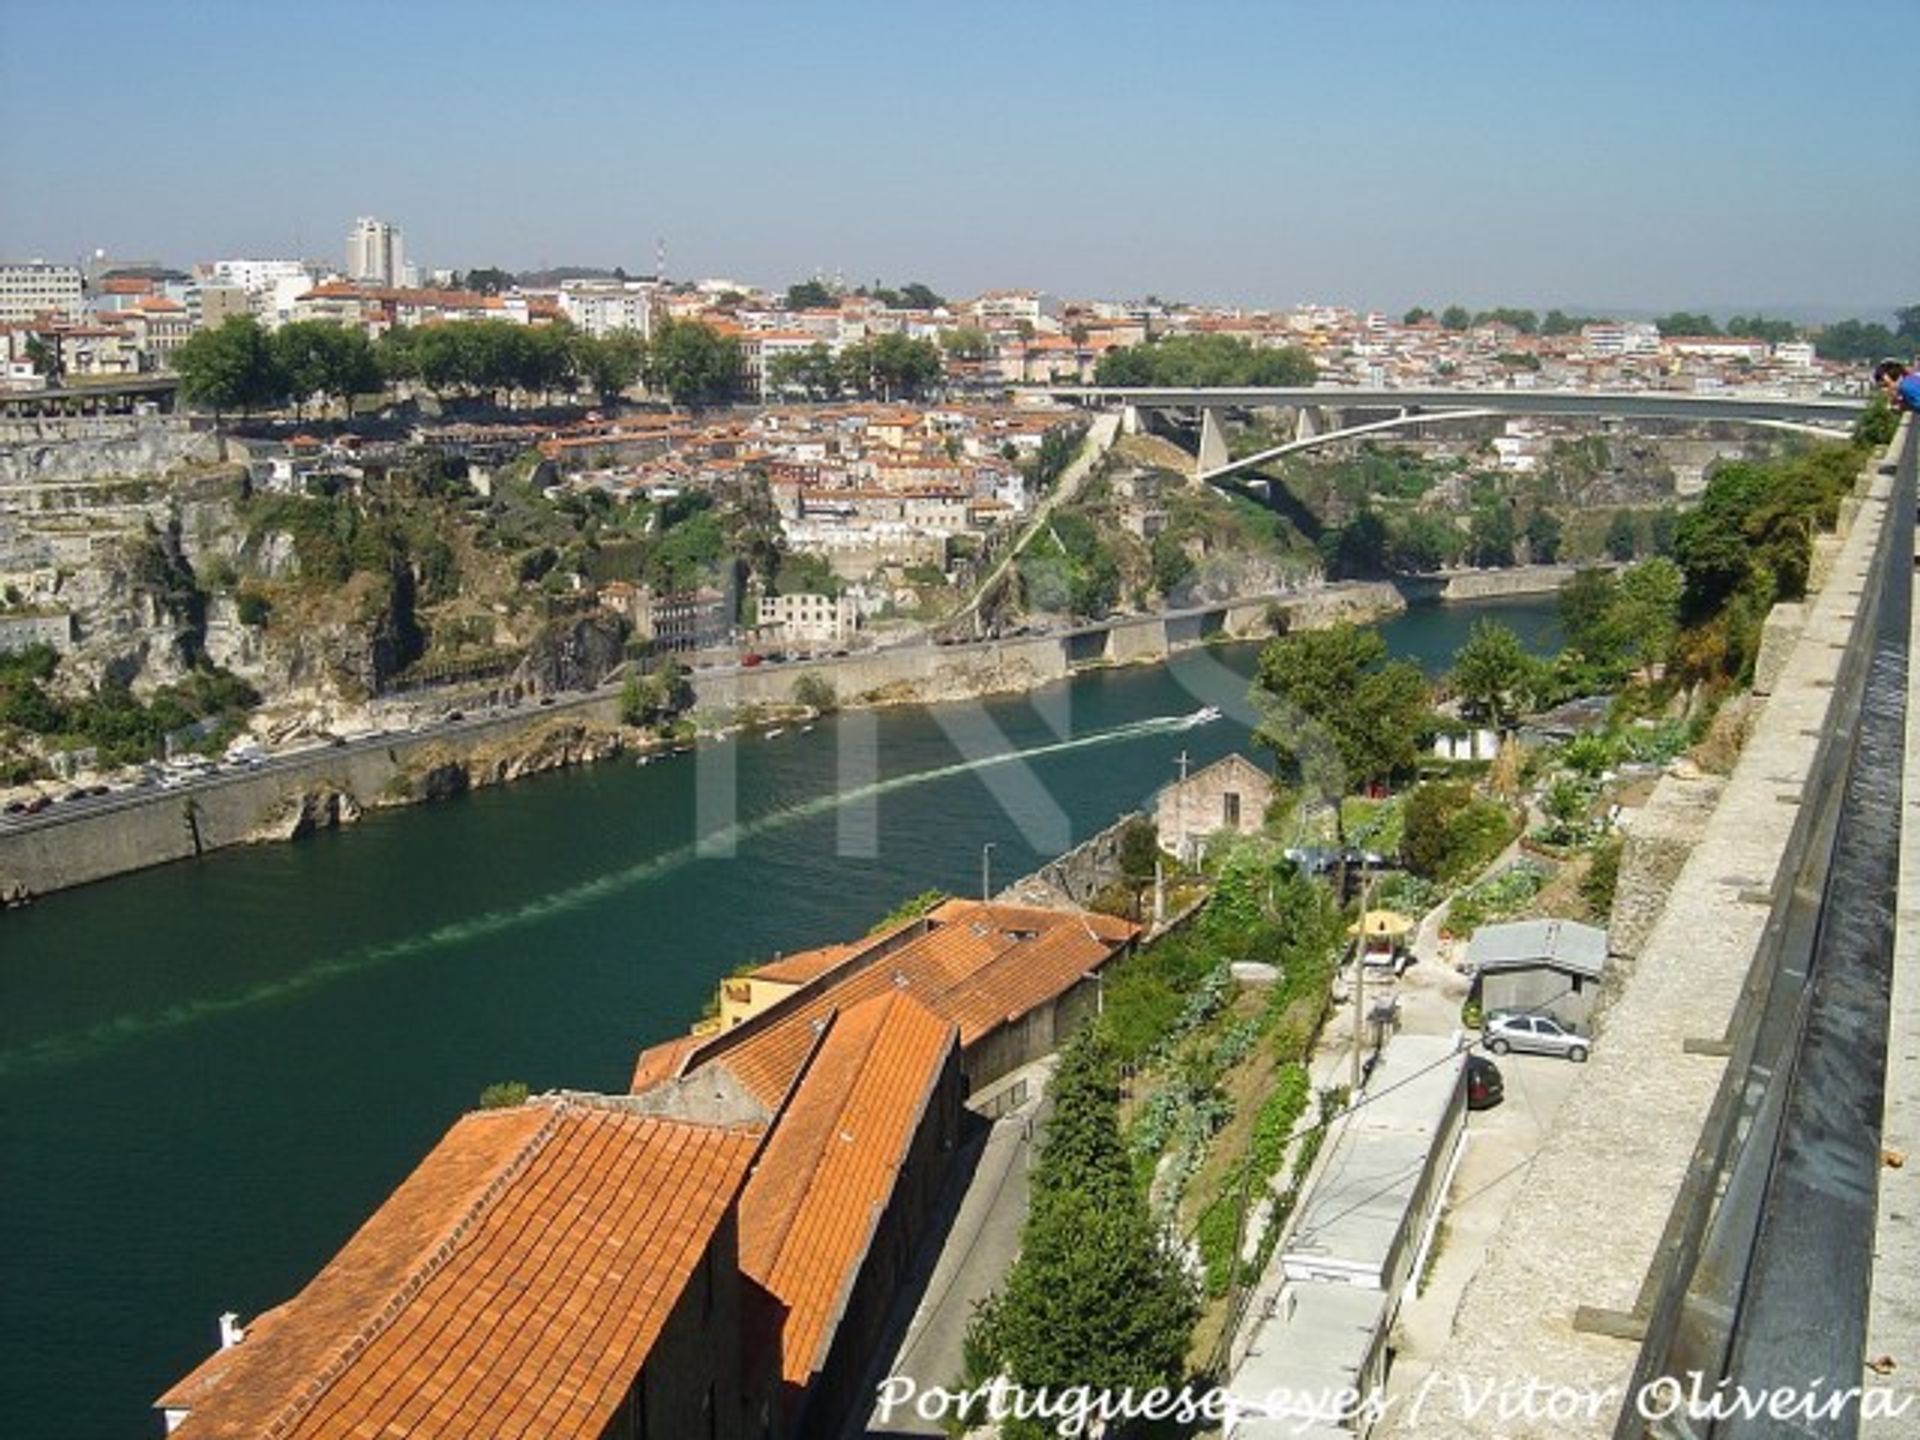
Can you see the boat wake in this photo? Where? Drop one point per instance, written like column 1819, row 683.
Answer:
column 77, row 1045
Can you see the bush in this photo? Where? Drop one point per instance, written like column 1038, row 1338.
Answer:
column 504, row 1095
column 816, row 692
column 1597, row 886
column 1449, row 832
column 254, row 608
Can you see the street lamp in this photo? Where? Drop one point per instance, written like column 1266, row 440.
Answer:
column 986, row 872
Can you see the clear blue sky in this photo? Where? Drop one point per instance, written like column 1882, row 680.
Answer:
column 1607, row 154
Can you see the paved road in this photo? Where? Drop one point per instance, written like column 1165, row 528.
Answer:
column 975, row 1257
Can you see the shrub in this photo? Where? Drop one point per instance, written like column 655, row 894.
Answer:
column 503, row 1095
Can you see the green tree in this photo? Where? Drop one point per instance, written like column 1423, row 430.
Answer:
column 489, row 280
column 891, row 366
column 1358, row 548
column 1418, row 315
column 1491, row 673
column 1854, row 340
column 816, row 692
column 1761, row 327
column 1906, row 325
column 810, row 295
column 1622, row 542
column 1205, row 360
column 966, row 343
column 810, row 372
column 1525, row 321
column 608, row 364
column 504, row 1095
column 1336, row 711
column 47, row 358
column 1645, row 613
column 1543, row 536
column 320, row 360
column 1686, row 322
column 693, row 363
column 1491, row 535
column 1455, row 317
column 916, row 296
column 230, row 367
column 1586, row 609
column 1097, row 1297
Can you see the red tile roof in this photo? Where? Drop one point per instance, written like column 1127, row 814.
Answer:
column 976, row 965
column 514, row 1284
column 808, row 1213
column 804, row 965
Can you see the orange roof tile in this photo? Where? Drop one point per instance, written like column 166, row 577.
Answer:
column 808, row 1212
column 514, row 1284
column 804, row 965
column 973, row 964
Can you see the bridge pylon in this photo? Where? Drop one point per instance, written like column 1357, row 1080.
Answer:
column 1214, row 454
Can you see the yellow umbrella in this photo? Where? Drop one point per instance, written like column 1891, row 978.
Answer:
column 1383, row 925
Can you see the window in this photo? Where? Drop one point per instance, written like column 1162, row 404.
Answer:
column 1230, row 808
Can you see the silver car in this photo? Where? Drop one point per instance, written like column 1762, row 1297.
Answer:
column 1539, row 1034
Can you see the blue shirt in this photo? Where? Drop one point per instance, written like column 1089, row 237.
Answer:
column 1907, row 393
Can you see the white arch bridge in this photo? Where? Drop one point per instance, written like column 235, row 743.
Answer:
column 1826, row 416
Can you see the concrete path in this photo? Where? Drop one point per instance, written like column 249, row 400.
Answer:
column 978, row 1251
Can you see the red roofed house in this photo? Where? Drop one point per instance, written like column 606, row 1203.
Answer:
column 568, row 1267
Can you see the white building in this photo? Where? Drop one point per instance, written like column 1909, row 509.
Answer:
column 809, row 619
column 272, row 286
column 375, row 253
column 32, row 288
column 601, row 307
column 1631, row 338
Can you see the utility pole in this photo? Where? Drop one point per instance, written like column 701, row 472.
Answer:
column 1180, row 810
column 986, row 872
column 1360, row 975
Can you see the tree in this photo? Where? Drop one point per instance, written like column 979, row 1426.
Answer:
column 46, row 357
column 891, row 366
column 1645, row 613
column 810, row 295
column 320, row 359
column 1491, row 535
column 1357, row 549
column 1200, row 360
column 1418, row 315
column 693, row 363
column 1621, row 540
column 1455, row 317
column 1336, row 711
column 1906, row 325
column 1854, row 340
column 230, row 367
column 1097, row 1297
column 1525, row 321
column 1491, row 672
column 489, row 280
column 1686, row 322
column 608, row 364
column 1586, row 605
column 916, row 296
column 966, row 343
column 810, row 372
column 1543, row 536
column 504, row 1095
column 1760, row 327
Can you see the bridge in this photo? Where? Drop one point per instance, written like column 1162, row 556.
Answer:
column 1826, row 416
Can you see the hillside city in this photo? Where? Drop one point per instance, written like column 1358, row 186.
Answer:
column 1381, row 997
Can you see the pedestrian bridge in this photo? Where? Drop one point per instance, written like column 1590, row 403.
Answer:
column 1314, row 404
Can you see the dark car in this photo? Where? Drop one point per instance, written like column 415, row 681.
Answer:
column 1485, row 1088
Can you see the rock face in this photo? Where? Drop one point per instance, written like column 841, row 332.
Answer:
column 324, row 807
column 443, row 774
column 575, row 654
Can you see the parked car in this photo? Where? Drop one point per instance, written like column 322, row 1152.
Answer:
column 1485, row 1087
column 1539, row 1034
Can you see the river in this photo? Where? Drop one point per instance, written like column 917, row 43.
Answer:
column 210, row 1073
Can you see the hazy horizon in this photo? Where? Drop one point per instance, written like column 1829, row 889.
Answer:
column 1629, row 160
